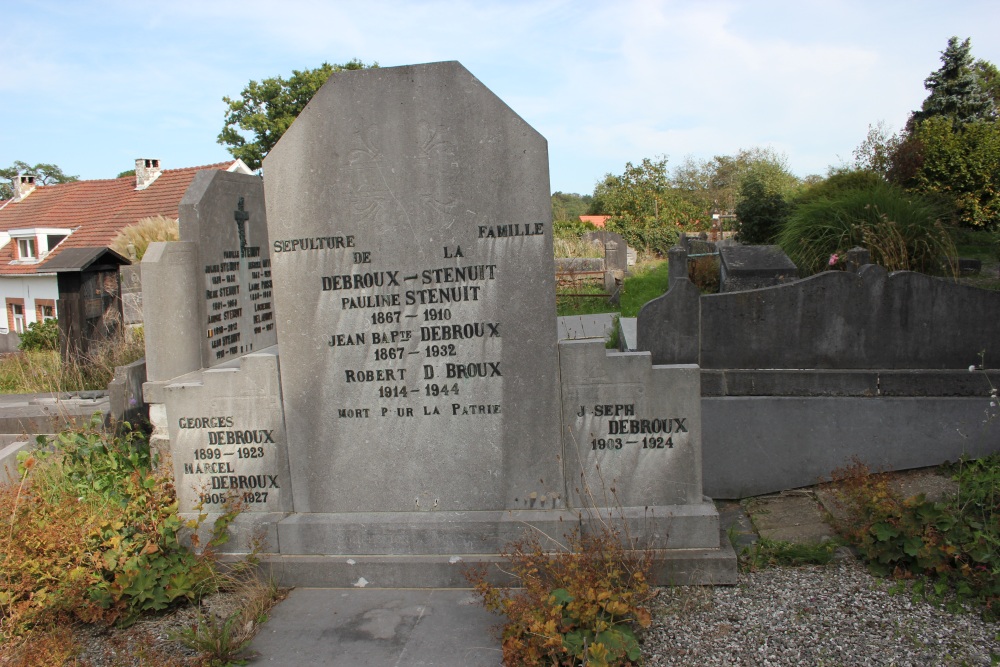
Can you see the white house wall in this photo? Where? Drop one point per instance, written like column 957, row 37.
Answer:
column 28, row 288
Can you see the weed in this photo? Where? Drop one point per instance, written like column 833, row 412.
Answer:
column 44, row 371
column 575, row 246
column 704, row 273
column 92, row 535
column 955, row 544
column 220, row 640
column 614, row 336
column 581, row 603
column 771, row 553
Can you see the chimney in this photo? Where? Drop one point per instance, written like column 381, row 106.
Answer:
column 23, row 185
column 146, row 171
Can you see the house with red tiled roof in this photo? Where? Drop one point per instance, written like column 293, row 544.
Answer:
column 39, row 223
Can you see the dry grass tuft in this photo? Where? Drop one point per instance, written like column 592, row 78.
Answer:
column 144, row 232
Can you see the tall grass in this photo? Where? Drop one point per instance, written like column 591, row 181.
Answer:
column 901, row 230
column 144, row 232
column 43, row 371
column 574, row 246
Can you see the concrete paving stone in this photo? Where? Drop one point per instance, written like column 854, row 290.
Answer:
column 790, row 517
column 378, row 627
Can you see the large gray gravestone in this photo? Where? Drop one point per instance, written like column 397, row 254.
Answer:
column 223, row 214
column 409, row 216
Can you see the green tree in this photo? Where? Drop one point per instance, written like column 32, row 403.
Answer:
column 955, row 90
column 715, row 184
column 989, row 80
column 877, row 151
column 762, row 210
column 265, row 109
column 44, row 173
column 569, row 206
column 644, row 206
column 961, row 164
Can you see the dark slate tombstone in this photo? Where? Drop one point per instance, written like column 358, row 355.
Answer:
column 409, row 215
column 754, row 266
column 223, row 215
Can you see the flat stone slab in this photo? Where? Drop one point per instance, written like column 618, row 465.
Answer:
column 355, row 628
column 930, row 482
column 793, row 516
column 574, row 327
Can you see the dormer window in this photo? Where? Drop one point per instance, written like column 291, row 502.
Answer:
column 34, row 244
column 26, row 249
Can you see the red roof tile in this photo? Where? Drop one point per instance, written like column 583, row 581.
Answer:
column 95, row 211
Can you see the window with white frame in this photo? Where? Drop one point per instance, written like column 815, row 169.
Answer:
column 18, row 311
column 47, row 312
column 26, row 249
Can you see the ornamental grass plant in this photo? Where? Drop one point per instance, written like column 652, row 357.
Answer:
column 903, row 231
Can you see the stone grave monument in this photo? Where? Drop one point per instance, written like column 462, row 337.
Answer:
column 423, row 412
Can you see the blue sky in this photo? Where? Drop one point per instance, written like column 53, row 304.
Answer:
column 92, row 85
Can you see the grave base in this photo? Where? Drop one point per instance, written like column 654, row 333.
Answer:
column 363, row 549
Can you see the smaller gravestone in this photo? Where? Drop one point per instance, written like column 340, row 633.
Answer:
column 751, row 267
column 223, row 214
column 131, row 279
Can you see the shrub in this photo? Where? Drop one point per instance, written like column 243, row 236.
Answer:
column 901, row 230
column 571, row 228
column 144, row 232
column 644, row 235
column 40, row 336
column 760, row 212
column 46, row 371
column 955, row 544
column 578, row 605
column 93, row 535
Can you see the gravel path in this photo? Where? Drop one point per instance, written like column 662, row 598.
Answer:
column 832, row 615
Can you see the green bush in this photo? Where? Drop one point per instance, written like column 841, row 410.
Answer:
column 94, row 536
column 40, row 336
column 903, row 231
column 579, row 606
column 760, row 212
column 954, row 545
column 571, row 228
column 645, row 235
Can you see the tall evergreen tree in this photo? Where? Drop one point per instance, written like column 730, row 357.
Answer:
column 955, row 90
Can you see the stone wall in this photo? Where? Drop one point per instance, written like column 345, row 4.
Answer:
column 803, row 378
column 833, row 320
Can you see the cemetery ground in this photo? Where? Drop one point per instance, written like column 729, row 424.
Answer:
column 69, row 596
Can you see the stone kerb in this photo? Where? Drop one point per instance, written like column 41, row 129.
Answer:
column 410, row 222
column 224, row 215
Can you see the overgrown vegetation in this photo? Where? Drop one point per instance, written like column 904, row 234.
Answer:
column 140, row 234
column 766, row 553
column 951, row 549
column 40, row 336
column 91, row 535
column 580, row 604
column 44, row 371
column 647, row 281
column 901, row 230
